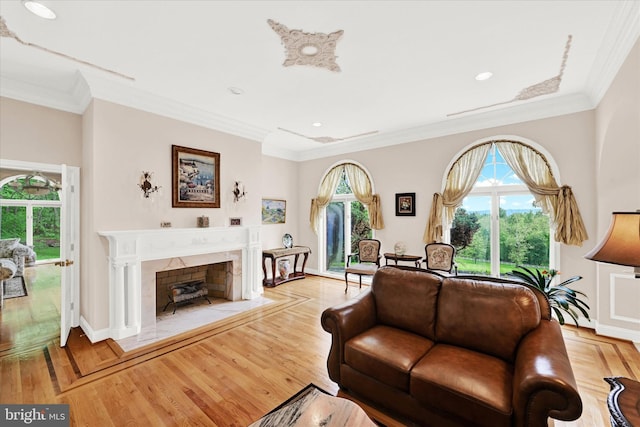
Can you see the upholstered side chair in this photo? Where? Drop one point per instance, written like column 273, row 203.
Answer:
column 367, row 261
column 440, row 257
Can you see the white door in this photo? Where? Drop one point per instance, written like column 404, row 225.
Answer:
column 69, row 248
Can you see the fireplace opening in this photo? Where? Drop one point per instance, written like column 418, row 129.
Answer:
column 193, row 284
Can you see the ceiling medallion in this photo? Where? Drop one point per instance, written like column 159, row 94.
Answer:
column 328, row 139
column 545, row 87
column 315, row 49
column 5, row 32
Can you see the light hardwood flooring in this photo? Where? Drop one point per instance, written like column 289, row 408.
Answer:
column 229, row 373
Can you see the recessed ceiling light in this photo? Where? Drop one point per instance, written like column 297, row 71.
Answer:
column 236, row 90
column 316, row 124
column 39, row 9
column 484, row 76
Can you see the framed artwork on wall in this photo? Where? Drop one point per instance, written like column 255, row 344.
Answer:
column 235, row 222
column 195, row 178
column 274, row 211
column 405, row 204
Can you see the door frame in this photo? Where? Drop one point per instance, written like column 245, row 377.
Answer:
column 72, row 284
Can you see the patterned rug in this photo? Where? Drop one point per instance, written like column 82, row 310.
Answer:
column 15, row 287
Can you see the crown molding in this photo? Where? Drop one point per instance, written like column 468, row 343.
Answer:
column 38, row 95
column 127, row 95
column 542, row 109
column 88, row 86
column 623, row 33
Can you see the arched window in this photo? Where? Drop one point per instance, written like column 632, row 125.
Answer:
column 345, row 211
column 30, row 210
column 499, row 203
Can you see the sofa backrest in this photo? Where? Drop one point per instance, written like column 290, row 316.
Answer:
column 406, row 298
column 486, row 316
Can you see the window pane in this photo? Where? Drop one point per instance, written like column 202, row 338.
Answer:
column 524, row 234
column 470, row 234
column 14, row 223
column 335, row 237
column 360, row 228
column 46, row 232
column 496, row 171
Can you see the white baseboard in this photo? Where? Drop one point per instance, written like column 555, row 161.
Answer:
column 620, row 333
column 94, row 336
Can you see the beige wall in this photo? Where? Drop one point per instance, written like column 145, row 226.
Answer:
column 32, row 133
column 617, row 166
column 280, row 180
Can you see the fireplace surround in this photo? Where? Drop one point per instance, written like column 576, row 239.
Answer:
column 135, row 256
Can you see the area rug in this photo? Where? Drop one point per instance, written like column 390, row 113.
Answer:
column 15, row 287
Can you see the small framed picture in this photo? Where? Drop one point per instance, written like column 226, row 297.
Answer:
column 274, row 211
column 405, row 204
column 235, row 222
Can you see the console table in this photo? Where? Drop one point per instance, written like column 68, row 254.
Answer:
column 624, row 402
column 410, row 258
column 274, row 254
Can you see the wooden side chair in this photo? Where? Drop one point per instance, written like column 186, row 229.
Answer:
column 367, row 260
column 440, row 257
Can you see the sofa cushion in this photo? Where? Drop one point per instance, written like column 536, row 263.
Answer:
column 471, row 385
column 484, row 316
column 387, row 354
column 407, row 299
column 7, row 246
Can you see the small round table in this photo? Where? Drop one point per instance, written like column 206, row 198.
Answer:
column 416, row 259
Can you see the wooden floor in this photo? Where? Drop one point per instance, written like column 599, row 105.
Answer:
column 227, row 374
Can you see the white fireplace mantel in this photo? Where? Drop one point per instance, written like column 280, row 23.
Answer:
column 130, row 248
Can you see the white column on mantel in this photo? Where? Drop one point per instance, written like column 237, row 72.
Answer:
column 129, row 248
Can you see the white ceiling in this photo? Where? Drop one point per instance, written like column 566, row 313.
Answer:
column 406, row 66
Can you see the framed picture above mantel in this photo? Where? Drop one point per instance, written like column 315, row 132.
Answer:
column 195, row 178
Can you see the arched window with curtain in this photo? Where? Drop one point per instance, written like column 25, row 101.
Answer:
column 345, row 211
column 498, row 196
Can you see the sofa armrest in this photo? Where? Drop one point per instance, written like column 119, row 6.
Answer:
column 543, row 383
column 344, row 322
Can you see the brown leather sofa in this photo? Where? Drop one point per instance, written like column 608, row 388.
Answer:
column 454, row 351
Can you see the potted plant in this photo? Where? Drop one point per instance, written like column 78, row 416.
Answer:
column 561, row 297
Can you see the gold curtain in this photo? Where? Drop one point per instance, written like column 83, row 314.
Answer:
column 361, row 187
column 558, row 202
column 327, row 189
column 460, row 180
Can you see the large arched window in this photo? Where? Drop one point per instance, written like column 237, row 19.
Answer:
column 499, row 224
column 499, row 205
column 345, row 211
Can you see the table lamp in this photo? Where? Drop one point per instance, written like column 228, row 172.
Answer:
column 621, row 245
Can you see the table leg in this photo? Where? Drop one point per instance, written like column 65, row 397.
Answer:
column 304, row 261
column 295, row 262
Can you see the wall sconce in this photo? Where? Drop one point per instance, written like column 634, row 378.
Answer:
column 146, row 186
column 621, row 245
column 239, row 192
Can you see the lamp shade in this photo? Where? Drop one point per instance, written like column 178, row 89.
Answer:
column 621, row 245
